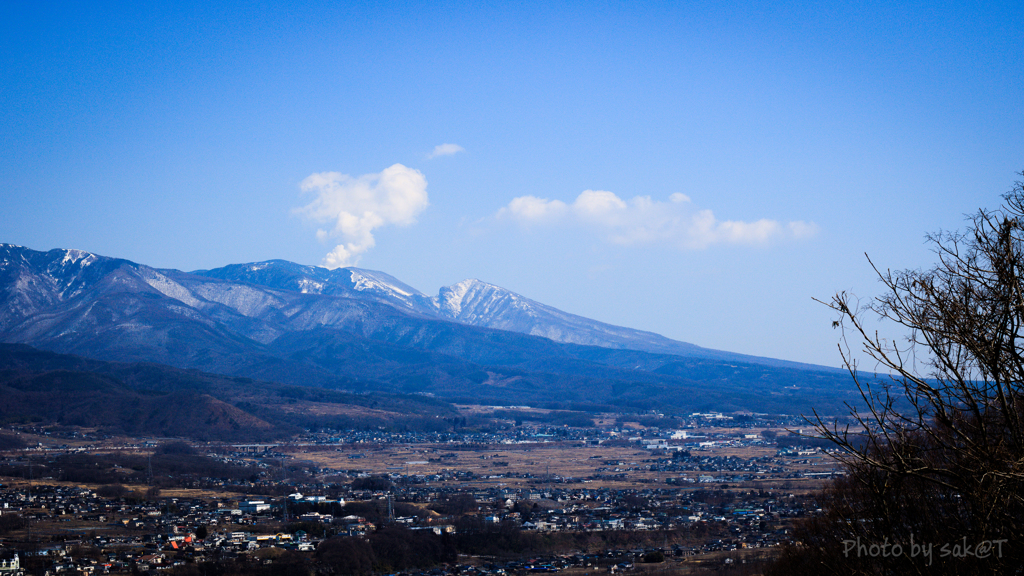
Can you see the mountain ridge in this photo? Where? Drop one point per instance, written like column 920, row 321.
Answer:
column 478, row 303
column 366, row 331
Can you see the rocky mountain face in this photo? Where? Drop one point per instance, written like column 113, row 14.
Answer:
column 361, row 330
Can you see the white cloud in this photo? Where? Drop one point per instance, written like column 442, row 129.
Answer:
column 445, row 150
column 642, row 220
column 530, row 209
column 354, row 207
column 600, row 206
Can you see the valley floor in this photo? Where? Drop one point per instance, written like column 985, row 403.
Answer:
column 620, row 498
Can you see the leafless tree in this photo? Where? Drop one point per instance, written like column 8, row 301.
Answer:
column 937, row 449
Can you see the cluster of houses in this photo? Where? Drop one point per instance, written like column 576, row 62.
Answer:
column 79, row 531
column 122, row 535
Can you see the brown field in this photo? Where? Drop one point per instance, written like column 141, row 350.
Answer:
column 544, row 461
column 568, row 464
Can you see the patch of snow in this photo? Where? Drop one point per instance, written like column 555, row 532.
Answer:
column 247, row 300
column 452, row 298
column 373, row 281
column 171, row 289
column 72, row 256
column 364, row 283
column 307, row 286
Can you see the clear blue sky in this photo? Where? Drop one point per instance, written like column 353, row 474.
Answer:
column 740, row 157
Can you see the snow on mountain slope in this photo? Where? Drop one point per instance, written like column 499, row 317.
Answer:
column 348, row 282
column 169, row 287
column 32, row 281
column 470, row 302
column 373, row 281
column 481, row 304
column 263, row 300
column 246, row 300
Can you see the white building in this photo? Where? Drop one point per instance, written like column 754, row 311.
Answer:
column 11, row 567
column 253, row 506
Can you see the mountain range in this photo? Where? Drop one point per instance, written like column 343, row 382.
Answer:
column 469, row 302
column 365, row 331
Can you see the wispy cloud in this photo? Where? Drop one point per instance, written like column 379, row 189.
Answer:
column 355, row 207
column 445, row 150
column 642, row 220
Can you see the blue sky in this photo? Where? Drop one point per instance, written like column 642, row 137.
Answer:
column 701, row 170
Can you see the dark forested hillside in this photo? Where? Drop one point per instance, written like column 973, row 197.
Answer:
column 149, row 399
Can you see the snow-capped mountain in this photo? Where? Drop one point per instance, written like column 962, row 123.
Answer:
column 471, row 302
column 481, row 304
column 364, row 330
column 349, row 282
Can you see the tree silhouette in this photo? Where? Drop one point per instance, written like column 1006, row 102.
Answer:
column 937, row 451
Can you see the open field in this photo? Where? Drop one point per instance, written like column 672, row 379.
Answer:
column 565, row 463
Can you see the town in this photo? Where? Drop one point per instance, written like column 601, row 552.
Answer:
column 712, row 492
